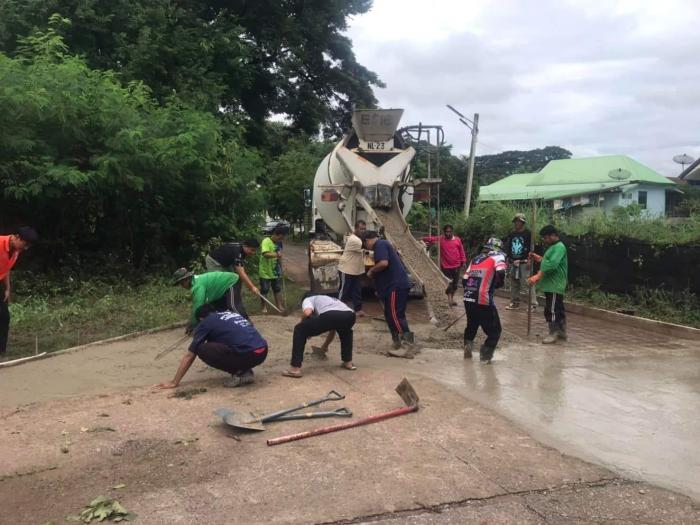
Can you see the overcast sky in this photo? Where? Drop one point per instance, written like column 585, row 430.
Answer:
column 596, row 77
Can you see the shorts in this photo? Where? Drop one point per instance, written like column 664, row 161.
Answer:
column 266, row 284
column 453, row 274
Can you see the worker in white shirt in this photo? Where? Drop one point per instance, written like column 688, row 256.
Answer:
column 322, row 314
column 351, row 268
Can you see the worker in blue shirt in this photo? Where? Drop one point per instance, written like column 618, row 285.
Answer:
column 392, row 286
column 226, row 341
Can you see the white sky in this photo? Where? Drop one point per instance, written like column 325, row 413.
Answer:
column 596, row 77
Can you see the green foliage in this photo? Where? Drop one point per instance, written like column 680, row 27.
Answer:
column 257, row 58
column 689, row 204
column 116, row 177
column 288, row 176
column 491, row 168
column 652, row 303
column 103, row 508
column 630, row 223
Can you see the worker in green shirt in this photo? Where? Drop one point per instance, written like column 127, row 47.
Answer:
column 551, row 279
column 270, row 268
column 215, row 288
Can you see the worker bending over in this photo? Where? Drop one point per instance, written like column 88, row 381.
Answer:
column 392, row 285
column 226, row 341
column 322, row 314
column 217, row 288
column 485, row 273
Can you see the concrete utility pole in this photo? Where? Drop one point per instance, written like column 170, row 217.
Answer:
column 473, row 125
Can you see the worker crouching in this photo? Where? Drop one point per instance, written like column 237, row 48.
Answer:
column 226, row 341
column 485, row 273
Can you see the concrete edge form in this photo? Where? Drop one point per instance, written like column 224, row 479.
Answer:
column 633, row 321
column 115, row 339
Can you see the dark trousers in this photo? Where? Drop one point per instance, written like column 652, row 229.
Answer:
column 395, row 311
column 453, row 275
column 486, row 317
column 219, row 356
column 341, row 322
column 351, row 290
column 4, row 320
column 232, row 300
column 554, row 309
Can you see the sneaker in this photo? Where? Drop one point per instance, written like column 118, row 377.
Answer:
column 533, row 307
column 513, row 306
column 240, row 379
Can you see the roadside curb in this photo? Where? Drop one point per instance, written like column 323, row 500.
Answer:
column 115, row 339
column 632, row 321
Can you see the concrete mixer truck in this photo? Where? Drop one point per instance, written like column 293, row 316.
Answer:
column 367, row 177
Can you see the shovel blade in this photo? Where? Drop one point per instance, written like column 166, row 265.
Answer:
column 237, row 420
column 407, row 393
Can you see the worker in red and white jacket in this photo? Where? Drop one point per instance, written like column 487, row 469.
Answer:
column 485, row 273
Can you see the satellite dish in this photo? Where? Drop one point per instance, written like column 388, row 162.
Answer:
column 619, row 174
column 683, row 160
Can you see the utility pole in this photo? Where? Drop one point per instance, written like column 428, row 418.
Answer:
column 473, row 125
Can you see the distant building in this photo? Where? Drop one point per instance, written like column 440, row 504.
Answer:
column 691, row 174
column 576, row 184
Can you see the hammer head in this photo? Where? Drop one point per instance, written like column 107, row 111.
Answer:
column 407, row 393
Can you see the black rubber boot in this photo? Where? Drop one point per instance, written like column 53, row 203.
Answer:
column 468, row 348
column 486, row 353
column 562, row 331
column 396, row 338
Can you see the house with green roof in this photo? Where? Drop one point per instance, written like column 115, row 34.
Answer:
column 575, row 184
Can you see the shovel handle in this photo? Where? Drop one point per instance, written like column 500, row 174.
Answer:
column 331, row 396
column 343, row 426
column 341, row 412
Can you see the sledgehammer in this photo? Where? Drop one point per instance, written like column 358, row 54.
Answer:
column 404, row 389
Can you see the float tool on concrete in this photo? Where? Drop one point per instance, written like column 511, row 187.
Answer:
column 250, row 421
column 172, row 346
column 404, row 389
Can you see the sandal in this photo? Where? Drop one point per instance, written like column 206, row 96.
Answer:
column 289, row 373
column 348, row 367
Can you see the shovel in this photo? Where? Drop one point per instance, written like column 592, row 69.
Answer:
column 249, row 421
column 404, row 389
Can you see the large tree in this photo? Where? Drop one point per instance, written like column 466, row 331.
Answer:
column 261, row 57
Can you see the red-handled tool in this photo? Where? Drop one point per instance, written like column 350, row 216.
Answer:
column 404, row 389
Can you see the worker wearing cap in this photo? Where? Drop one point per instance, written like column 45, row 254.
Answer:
column 10, row 248
column 230, row 257
column 216, row 288
column 270, row 267
column 392, row 286
column 517, row 248
column 225, row 341
column 552, row 279
column 485, row 273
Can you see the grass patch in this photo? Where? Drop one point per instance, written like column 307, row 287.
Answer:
column 62, row 315
column 680, row 308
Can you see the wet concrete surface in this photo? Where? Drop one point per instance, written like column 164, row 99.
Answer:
column 624, row 398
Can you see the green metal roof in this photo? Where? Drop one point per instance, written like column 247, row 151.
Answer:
column 569, row 177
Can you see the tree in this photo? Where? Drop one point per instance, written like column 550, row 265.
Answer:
column 290, row 174
column 106, row 174
column 258, row 57
column 491, row 168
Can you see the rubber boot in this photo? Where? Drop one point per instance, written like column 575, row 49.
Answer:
column 468, row 348
column 406, row 348
column 553, row 336
column 562, row 331
column 409, row 339
column 396, row 338
column 486, row 353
